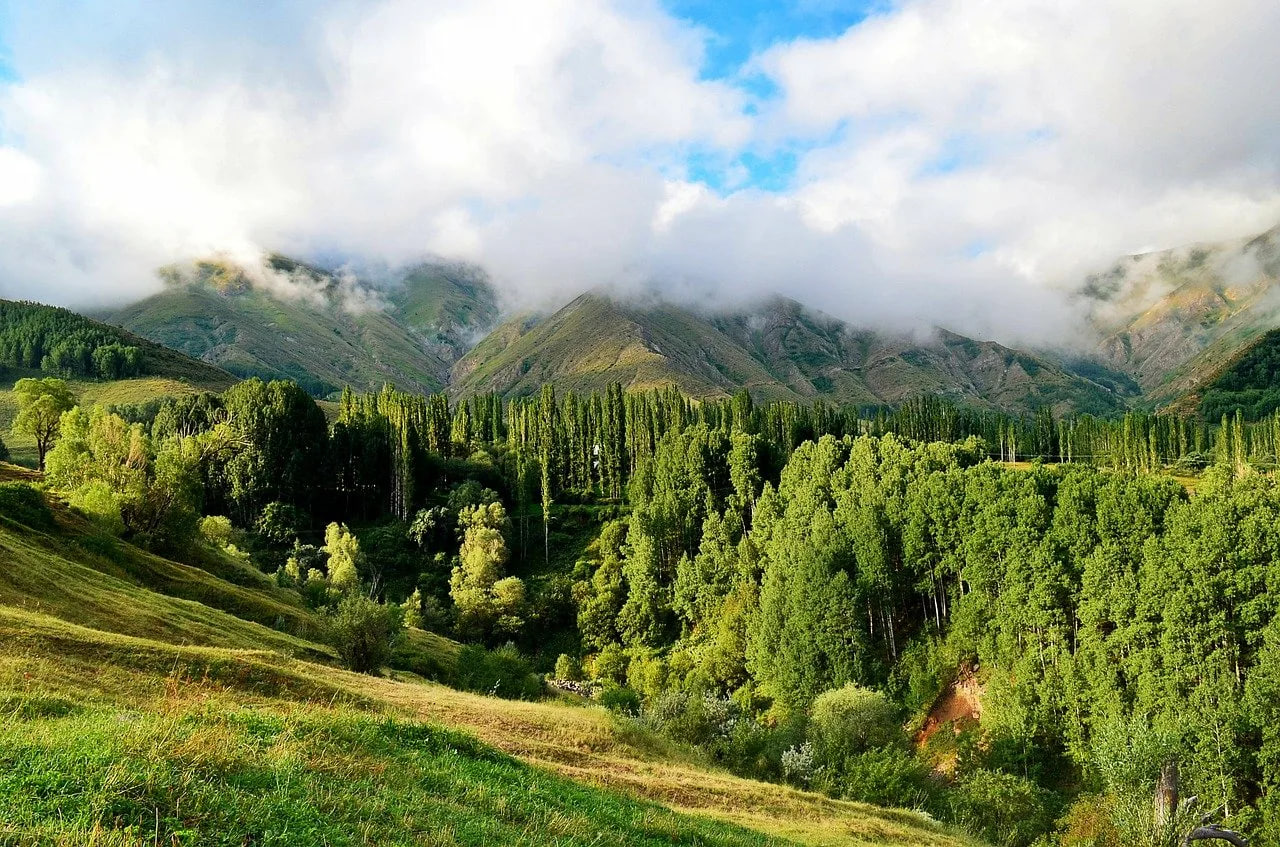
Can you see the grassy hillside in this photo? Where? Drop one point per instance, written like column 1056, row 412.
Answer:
column 445, row 306
column 138, row 390
column 1248, row 382
column 115, row 740
column 778, row 351
column 36, row 338
column 252, row 333
column 144, row 705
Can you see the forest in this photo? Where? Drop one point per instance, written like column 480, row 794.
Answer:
column 791, row 589
column 60, row 342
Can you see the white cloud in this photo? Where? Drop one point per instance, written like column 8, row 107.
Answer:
column 959, row 158
column 19, row 177
column 1075, row 131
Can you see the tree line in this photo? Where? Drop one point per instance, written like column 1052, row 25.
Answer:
column 56, row 341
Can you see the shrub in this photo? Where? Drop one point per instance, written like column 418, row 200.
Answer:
column 216, row 530
column 647, row 674
column 280, row 523
column 568, row 668
column 620, row 699
column 798, row 765
column 4, row 451
column 610, row 665
column 852, row 720
column 693, row 718
column 499, row 673
column 1003, row 809
column 22, row 503
column 102, row 505
column 364, row 632
column 887, row 776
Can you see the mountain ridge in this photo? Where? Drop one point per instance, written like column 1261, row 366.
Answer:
column 1164, row 322
column 779, row 350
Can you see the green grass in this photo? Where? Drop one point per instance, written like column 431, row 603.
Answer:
column 251, row 333
column 226, row 776
column 777, row 351
column 105, row 737
column 72, row 570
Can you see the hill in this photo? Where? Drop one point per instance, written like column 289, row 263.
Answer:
column 1172, row 319
column 145, row 703
column 778, row 351
column 1248, row 383
column 40, row 339
column 324, row 330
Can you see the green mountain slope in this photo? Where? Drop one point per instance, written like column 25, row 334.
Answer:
column 1249, row 383
column 1173, row 319
column 39, row 339
column 778, row 350
column 323, row 330
column 445, row 306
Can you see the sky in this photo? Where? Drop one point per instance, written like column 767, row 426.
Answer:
column 954, row 162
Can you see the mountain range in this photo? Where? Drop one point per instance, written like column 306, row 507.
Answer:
column 1166, row 323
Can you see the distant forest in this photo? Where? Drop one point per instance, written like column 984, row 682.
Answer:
column 1250, row 386
column 56, row 341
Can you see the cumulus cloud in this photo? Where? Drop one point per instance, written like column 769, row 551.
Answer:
column 954, row 161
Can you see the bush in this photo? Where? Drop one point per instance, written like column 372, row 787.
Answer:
column 798, row 765
column 852, row 720
column 364, row 633
column 568, row 668
column 693, row 718
column 280, row 523
column 23, row 503
column 610, row 665
column 216, row 530
column 647, row 674
column 4, row 451
column 887, row 776
column 499, row 673
column 927, row 666
column 102, row 505
column 620, row 699
column 1003, row 809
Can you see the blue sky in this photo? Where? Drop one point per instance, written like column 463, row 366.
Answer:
column 6, row 70
column 745, row 27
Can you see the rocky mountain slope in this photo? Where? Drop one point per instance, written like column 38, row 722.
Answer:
column 1171, row 319
column 778, row 350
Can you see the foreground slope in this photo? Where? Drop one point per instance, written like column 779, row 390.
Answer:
column 145, row 708
column 778, row 351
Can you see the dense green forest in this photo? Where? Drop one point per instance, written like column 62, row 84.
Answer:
column 58, row 342
column 61, row 342
column 792, row 589
column 1247, row 385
